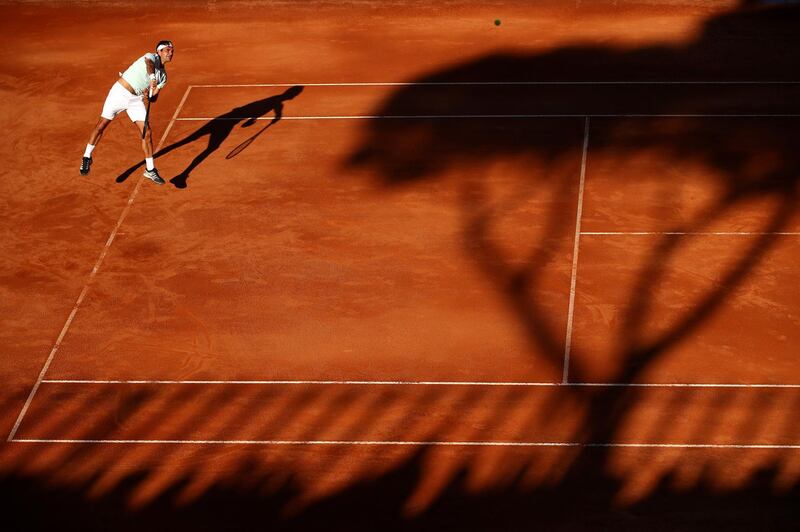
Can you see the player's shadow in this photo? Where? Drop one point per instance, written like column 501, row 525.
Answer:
column 734, row 114
column 218, row 129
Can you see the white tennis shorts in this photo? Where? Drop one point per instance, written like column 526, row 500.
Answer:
column 120, row 99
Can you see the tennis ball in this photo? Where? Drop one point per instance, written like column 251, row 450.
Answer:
column 497, row 22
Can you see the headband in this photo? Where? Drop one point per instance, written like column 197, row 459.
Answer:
column 162, row 46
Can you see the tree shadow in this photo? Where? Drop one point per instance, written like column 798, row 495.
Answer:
column 733, row 112
column 218, row 130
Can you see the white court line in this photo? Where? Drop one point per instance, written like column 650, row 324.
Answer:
column 427, row 383
column 690, row 233
column 479, row 83
column 427, row 443
column 575, row 249
column 92, row 275
column 443, row 117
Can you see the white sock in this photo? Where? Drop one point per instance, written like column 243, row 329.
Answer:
column 88, row 152
column 149, row 162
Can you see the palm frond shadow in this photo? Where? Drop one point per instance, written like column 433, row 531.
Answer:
column 717, row 119
column 734, row 113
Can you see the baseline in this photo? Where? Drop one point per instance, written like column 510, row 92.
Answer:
column 431, row 383
column 690, row 233
column 448, row 414
column 423, row 443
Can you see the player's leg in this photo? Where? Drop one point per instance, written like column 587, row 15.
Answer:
column 150, row 171
column 98, row 131
column 147, row 140
column 94, row 138
column 115, row 102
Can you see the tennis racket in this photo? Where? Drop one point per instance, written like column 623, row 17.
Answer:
column 147, row 114
column 240, row 148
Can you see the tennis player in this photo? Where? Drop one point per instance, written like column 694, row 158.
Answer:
column 132, row 94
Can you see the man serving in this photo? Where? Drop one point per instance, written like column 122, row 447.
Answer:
column 136, row 88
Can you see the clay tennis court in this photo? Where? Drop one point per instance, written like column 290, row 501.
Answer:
column 412, row 269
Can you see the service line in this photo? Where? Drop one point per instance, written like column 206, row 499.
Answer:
column 483, row 117
column 501, row 83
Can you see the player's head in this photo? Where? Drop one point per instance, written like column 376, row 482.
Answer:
column 165, row 49
column 291, row 92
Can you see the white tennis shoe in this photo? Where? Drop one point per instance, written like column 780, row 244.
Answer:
column 153, row 176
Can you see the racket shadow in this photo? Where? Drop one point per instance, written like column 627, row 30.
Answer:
column 241, row 147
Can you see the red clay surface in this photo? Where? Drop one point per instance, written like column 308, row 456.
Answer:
column 404, row 251
column 314, row 275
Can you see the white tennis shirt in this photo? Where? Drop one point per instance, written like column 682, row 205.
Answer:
column 136, row 75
